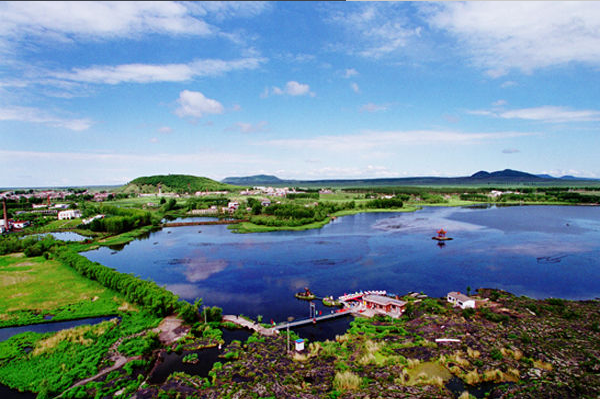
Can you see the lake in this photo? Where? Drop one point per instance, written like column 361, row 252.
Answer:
column 538, row 251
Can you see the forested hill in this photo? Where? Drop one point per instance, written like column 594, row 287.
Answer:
column 253, row 180
column 174, row 184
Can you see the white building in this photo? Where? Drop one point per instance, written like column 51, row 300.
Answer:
column 69, row 214
column 458, row 299
column 21, row 224
column 90, row 220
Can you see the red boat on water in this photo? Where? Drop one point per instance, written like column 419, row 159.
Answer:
column 441, row 236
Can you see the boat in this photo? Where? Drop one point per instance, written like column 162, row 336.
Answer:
column 441, row 236
column 306, row 295
column 331, row 302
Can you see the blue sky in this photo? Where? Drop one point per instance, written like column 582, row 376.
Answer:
column 101, row 93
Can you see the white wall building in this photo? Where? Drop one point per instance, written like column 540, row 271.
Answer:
column 69, row 214
column 458, row 299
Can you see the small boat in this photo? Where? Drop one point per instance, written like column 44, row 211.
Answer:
column 441, row 236
column 331, row 302
column 306, row 295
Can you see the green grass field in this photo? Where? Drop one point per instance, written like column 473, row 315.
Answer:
column 34, row 287
column 58, row 225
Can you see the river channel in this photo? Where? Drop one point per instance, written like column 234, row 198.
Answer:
column 538, row 251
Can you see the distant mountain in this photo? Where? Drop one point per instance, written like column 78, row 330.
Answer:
column 501, row 177
column 253, row 180
column 569, row 177
column 173, row 184
column 504, row 174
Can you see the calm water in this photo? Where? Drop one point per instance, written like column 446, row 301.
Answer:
column 539, row 251
column 7, row 332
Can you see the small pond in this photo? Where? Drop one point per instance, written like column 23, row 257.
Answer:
column 169, row 363
column 7, row 332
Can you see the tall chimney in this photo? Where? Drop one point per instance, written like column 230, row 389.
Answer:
column 5, row 216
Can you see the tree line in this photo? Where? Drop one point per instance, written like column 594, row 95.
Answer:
column 119, row 220
column 145, row 293
column 293, row 214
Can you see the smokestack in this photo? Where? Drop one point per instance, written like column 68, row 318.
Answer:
column 5, row 216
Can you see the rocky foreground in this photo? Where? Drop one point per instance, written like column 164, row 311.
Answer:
column 512, row 347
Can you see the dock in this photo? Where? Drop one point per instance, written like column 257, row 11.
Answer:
column 311, row 320
column 207, row 223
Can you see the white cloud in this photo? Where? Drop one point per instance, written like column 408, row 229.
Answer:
column 354, row 87
column 246, row 127
column 348, row 73
column 336, row 172
column 501, row 36
column 292, row 88
column 58, row 20
column 35, row 115
column 499, row 103
column 374, row 30
column 510, row 151
column 508, row 83
column 154, row 140
column 165, row 130
column 195, row 104
column 146, row 73
column 386, row 139
column 548, row 114
column 370, row 107
column 64, row 20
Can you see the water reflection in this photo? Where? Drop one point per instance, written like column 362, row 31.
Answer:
column 526, row 250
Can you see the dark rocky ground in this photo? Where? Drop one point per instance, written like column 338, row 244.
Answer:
column 517, row 347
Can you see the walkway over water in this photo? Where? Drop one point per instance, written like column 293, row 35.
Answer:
column 240, row 321
column 210, row 222
column 342, row 312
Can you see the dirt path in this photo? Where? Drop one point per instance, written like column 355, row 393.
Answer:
column 169, row 330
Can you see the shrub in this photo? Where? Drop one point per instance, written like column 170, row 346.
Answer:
column 346, row 381
column 496, row 354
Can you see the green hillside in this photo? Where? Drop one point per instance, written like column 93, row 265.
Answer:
column 174, row 184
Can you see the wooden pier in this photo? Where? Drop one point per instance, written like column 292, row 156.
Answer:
column 240, row 321
column 207, row 223
column 343, row 312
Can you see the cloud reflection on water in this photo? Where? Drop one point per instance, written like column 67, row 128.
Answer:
column 421, row 221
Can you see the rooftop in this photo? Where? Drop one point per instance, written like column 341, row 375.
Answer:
column 383, row 300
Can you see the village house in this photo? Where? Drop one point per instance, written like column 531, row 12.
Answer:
column 204, row 193
column 208, row 211
column 383, row 304
column 90, row 220
column 4, row 224
column 69, row 214
column 265, row 202
column 21, row 224
column 461, row 300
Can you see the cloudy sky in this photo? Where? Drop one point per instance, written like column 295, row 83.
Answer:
column 101, row 93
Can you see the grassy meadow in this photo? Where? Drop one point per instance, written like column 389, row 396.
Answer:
column 35, row 287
